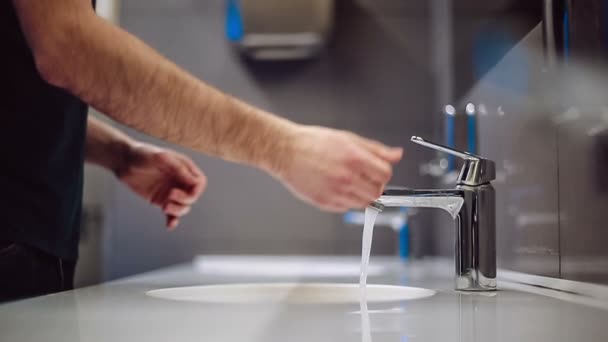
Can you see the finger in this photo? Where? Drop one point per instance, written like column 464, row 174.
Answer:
column 160, row 195
column 194, row 169
column 172, row 222
column 366, row 189
column 177, row 168
column 332, row 205
column 353, row 200
column 343, row 200
column 390, row 154
column 375, row 168
column 176, row 209
column 180, row 196
column 199, row 187
column 350, row 200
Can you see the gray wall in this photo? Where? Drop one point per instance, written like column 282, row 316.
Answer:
column 374, row 79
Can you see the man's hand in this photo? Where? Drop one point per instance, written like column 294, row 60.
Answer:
column 165, row 178
column 336, row 170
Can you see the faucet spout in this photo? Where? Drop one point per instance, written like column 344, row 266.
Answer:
column 449, row 200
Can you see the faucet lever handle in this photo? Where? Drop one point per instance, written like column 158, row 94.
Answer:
column 445, row 149
column 475, row 171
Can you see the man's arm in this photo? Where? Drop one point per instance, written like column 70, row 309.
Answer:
column 107, row 146
column 123, row 77
column 119, row 75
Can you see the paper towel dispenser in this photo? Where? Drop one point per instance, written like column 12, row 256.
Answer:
column 279, row 29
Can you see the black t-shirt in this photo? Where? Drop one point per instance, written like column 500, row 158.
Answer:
column 42, row 139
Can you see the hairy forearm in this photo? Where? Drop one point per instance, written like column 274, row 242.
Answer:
column 106, row 146
column 121, row 76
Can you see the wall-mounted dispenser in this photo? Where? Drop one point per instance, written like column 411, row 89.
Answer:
column 278, row 29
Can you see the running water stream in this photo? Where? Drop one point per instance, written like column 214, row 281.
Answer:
column 366, row 246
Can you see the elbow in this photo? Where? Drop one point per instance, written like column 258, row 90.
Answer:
column 51, row 68
column 56, row 53
column 53, row 32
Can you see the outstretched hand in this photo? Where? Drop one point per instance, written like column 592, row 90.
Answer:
column 165, row 178
column 337, row 170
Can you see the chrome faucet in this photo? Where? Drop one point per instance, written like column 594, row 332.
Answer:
column 472, row 205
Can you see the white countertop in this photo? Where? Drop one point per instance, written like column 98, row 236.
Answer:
column 121, row 310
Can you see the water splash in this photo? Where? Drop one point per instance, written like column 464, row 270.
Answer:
column 366, row 331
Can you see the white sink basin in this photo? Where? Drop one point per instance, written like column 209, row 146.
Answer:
column 298, row 293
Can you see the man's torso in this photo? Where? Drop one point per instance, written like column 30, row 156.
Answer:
column 42, row 134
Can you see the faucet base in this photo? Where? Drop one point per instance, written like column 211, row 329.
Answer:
column 470, row 282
